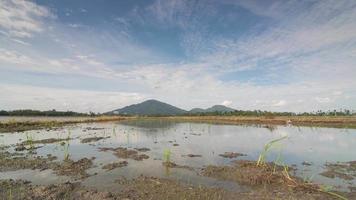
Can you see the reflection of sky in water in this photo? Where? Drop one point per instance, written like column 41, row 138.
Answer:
column 315, row 145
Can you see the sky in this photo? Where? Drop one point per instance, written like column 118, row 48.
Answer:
column 79, row 55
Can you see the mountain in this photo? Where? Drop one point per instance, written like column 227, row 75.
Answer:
column 216, row 108
column 149, row 107
column 219, row 108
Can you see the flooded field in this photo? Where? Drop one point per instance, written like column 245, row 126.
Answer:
column 103, row 156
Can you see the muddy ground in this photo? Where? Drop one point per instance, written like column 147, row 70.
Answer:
column 267, row 182
column 342, row 170
column 126, row 153
column 20, row 125
column 153, row 188
column 271, row 181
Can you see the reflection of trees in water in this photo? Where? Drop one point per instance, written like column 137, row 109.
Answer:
column 152, row 128
column 270, row 127
column 150, row 123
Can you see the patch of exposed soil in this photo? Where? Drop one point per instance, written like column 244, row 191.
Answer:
column 305, row 163
column 174, row 165
column 143, row 188
column 159, row 189
column 15, row 161
column 143, row 149
column 192, row 155
column 342, row 170
column 94, row 128
column 244, row 171
column 268, row 181
column 74, row 168
column 22, row 190
column 44, row 141
column 125, row 153
column 115, row 165
column 92, row 139
column 231, row 155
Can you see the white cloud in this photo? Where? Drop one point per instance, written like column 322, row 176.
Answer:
column 312, row 47
column 13, row 57
column 226, row 103
column 63, row 99
column 280, row 103
column 21, row 18
column 323, row 99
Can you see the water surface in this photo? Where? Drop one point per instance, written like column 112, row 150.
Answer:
column 304, row 144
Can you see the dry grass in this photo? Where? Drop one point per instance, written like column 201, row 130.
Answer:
column 324, row 121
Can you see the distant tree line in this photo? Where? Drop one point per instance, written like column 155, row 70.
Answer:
column 269, row 113
column 52, row 113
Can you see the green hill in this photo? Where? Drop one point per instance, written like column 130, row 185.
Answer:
column 149, row 107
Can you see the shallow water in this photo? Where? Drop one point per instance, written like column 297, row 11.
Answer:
column 314, row 145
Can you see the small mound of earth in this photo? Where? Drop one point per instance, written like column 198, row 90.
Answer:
column 246, row 172
column 22, row 190
column 192, row 155
column 268, row 181
column 174, row 165
column 231, row 155
column 305, row 163
column 125, row 153
column 45, row 141
column 161, row 189
column 150, row 188
column 93, row 128
column 74, row 168
column 175, row 145
column 342, row 170
column 15, row 161
column 112, row 166
column 92, row 139
column 143, row 149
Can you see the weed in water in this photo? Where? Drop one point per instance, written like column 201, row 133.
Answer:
column 167, row 156
column 66, row 146
column 262, row 158
column 291, row 182
column 29, row 141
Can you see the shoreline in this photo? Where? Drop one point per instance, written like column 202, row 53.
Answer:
column 18, row 124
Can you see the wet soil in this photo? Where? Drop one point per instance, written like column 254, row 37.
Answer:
column 142, row 149
column 16, row 161
column 342, row 170
column 115, row 165
column 192, row 155
column 270, row 181
column 125, row 153
column 145, row 188
column 44, row 141
column 92, row 139
column 22, row 190
column 51, row 124
column 246, row 172
column 231, row 155
column 174, row 165
column 75, row 169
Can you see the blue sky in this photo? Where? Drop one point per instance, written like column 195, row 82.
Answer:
column 101, row 55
